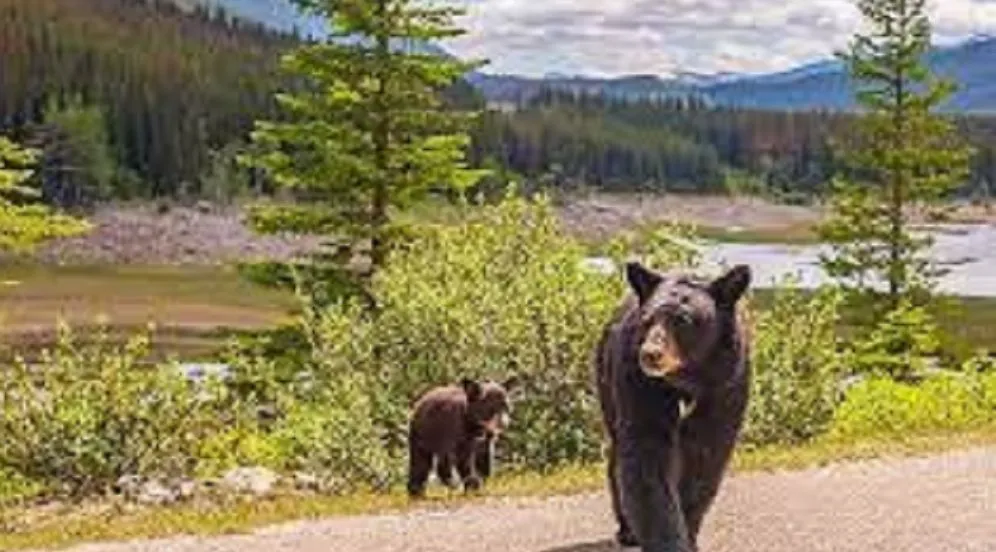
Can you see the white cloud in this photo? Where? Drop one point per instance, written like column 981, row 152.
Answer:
column 612, row 37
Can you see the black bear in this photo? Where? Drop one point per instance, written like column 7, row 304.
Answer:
column 457, row 426
column 673, row 380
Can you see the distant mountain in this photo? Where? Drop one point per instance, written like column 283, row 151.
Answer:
column 971, row 64
column 512, row 88
column 820, row 84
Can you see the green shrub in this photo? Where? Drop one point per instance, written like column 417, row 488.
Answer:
column 85, row 416
column 899, row 346
column 15, row 488
column 240, row 445
column 504, row 293
column 338, row 439
column 797, row 367
column 880, row 406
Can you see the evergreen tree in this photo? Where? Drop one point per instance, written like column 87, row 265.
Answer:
column 24, row 222
column 365, row 134
column 900, row 157
column 77, row 165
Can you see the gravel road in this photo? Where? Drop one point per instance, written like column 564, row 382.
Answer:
column 943, row 503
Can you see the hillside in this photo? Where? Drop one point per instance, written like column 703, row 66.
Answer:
column 822, row 84
column 819, row 85
column 971, row 64
column 172, row 84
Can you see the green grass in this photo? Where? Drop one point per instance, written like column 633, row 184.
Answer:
column 968, row 323
column 196, row 308
column 794, row 234
column 60, row 528
column 193, row 307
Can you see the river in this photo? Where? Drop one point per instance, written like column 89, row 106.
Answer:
column 968, row 252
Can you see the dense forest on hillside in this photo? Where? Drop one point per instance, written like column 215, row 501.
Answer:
column 174, row 92
column 684, row 145
column 172, row 84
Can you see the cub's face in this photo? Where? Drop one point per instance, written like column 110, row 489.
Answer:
column 681, row 318
column 488, row 403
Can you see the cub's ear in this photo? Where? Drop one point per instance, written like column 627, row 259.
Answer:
column 513, row 386
column 730, row 287
column 472, row 388
column 642, row 280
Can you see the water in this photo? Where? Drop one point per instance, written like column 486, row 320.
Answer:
column 968, row 252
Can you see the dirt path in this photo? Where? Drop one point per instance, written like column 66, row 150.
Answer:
column 943, row 503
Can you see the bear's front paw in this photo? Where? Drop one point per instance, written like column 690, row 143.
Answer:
column 472, row 483
column 624, row 537
column 416, row 492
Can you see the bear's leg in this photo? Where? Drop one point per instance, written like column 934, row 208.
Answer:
column 707, row 442
column 465, row 466
column 624, row 535
column 444, row 469
column 419, row 467
column 696, row 497
column 483, row 457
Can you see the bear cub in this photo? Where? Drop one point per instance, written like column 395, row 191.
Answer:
column 457, row 425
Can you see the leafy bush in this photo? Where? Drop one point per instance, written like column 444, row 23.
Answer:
column 797, row 367
column 944, row 402
column 83, row 417
column 505, row 293
column 338, row 439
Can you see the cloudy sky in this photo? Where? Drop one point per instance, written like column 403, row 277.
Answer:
column 612, row 37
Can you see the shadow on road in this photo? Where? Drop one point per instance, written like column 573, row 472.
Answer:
column 600, row 546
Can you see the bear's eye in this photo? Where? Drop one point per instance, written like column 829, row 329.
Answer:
column 684, row 318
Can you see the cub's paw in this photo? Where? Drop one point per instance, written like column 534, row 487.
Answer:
column 472, row 484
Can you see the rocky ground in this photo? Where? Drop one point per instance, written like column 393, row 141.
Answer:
column 205, row 234
column 944, row 503
column 142, row 234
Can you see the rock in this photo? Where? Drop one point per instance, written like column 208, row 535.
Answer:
column 128, row 485
column 256, row 481
column 186, row 489
column 198, row 371
column 599, row 265
column 154, row 493
column 306, row 482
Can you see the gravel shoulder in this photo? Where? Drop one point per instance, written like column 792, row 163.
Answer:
column 941, row 503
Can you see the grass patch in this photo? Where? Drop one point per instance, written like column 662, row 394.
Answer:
column 795, row 234
column 64, row 528
column 193, row 306
column 968, row 323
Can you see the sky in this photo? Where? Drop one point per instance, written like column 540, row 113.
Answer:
column 664, row 37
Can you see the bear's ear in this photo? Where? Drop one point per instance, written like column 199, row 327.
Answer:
column 728, row 288
column 472, row 388
column 642, row 280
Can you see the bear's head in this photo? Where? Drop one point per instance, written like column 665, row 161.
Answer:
column 488, row 403
column 684, row 321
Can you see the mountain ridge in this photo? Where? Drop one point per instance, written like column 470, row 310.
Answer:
column 818, row 84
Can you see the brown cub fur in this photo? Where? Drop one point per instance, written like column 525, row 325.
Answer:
column 456, row 425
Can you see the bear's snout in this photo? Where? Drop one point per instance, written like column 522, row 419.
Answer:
column 659, row 355
column 497, row 423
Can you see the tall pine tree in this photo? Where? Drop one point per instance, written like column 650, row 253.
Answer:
column 23, row 221
column 365, row 132
column 901, row 157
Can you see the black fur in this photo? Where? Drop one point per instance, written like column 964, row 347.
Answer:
column 664, row 471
